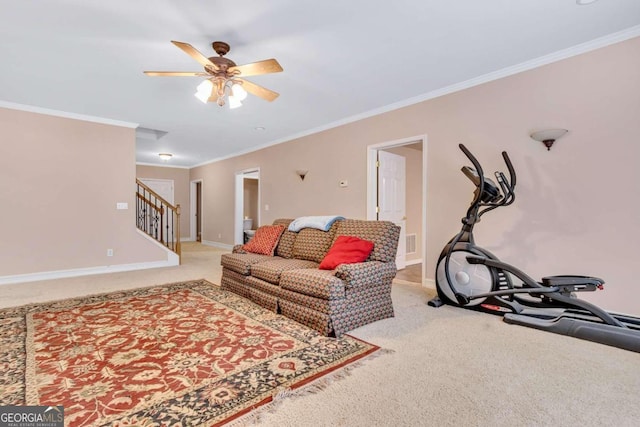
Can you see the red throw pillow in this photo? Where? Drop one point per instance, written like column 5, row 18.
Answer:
column 346, row 250
column 265, row 240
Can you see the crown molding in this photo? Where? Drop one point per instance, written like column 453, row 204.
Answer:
column 66, row 115
column 163, row 166
column 489, row 77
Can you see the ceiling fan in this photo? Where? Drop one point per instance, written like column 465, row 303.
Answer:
column 224, row 77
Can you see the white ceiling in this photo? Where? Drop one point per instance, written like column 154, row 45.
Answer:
column 342, row 59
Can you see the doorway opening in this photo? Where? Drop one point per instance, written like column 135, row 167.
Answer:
column 196, row 211
column 396, row 191
column 247, row 209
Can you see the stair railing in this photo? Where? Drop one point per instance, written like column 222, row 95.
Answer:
column 157, row 217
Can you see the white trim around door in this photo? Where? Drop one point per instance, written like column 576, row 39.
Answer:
column 193, row 199
column 372, row 186
column 253, row 173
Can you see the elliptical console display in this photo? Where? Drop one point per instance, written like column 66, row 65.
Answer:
column 471, row 277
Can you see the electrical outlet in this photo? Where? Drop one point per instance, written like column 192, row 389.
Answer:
column 122, row 205
column 109, row 252
column 266, row 207
column 219, row 235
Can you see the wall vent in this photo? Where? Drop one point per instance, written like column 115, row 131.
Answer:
column 411, row 243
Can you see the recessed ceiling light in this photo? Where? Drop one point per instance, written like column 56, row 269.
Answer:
column 259, row 128
column 585, row 2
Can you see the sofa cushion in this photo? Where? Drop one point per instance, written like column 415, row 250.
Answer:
column 313, row 282
column 241, row 263
column 319, row 321
column 285, row 245
column 234, row 282
column 383, row 234
column 265, row 240
column 312, row 244
column 271, row 270
column 322, row 305
column 346, row 250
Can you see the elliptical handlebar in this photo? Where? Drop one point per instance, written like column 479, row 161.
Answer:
column 478, row 168
column 507, row 186
column 512, row 171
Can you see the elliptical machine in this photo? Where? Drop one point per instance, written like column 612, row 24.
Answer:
column 471, row 277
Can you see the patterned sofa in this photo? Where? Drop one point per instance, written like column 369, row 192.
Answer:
column 329, row 301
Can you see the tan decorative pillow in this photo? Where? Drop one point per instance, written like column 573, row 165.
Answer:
column 265, row 240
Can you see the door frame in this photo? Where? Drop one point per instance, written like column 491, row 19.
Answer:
column 372, row 186
column 193, row 211
column 238, row 233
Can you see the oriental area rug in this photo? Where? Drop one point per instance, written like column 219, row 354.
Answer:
column 184, row 354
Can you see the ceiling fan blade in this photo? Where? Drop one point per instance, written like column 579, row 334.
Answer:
column 255, row 68
column 259, row 91
column 193, row 52
column 175, row 73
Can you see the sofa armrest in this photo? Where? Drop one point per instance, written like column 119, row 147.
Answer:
column 237, row 249
column 363, row 274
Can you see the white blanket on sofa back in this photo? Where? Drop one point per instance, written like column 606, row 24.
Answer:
column 323, row 223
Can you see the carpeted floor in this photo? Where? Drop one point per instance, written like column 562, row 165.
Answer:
column 186, row 353
column 450, row 367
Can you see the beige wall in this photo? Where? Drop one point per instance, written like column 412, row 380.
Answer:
column 181, row 192
column 413, row 158
column 60, row 182
column 577, row 205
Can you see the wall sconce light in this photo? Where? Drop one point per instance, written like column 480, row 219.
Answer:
column 165, row 156
column 302, row 174
column 548, row 136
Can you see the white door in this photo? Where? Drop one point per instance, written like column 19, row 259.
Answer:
column 164, row 187
column 391, row 197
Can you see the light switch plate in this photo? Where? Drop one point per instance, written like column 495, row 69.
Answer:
column 121, row 205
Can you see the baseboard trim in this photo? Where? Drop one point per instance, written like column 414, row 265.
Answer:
column 429, row 283
column 104, row 269
column 413, row 262
column 217, row 244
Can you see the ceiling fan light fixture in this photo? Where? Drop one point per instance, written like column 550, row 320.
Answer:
column 204, row 91
column 234, row 102
column 225, row 79
column 238, row 92
column 202, row 97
